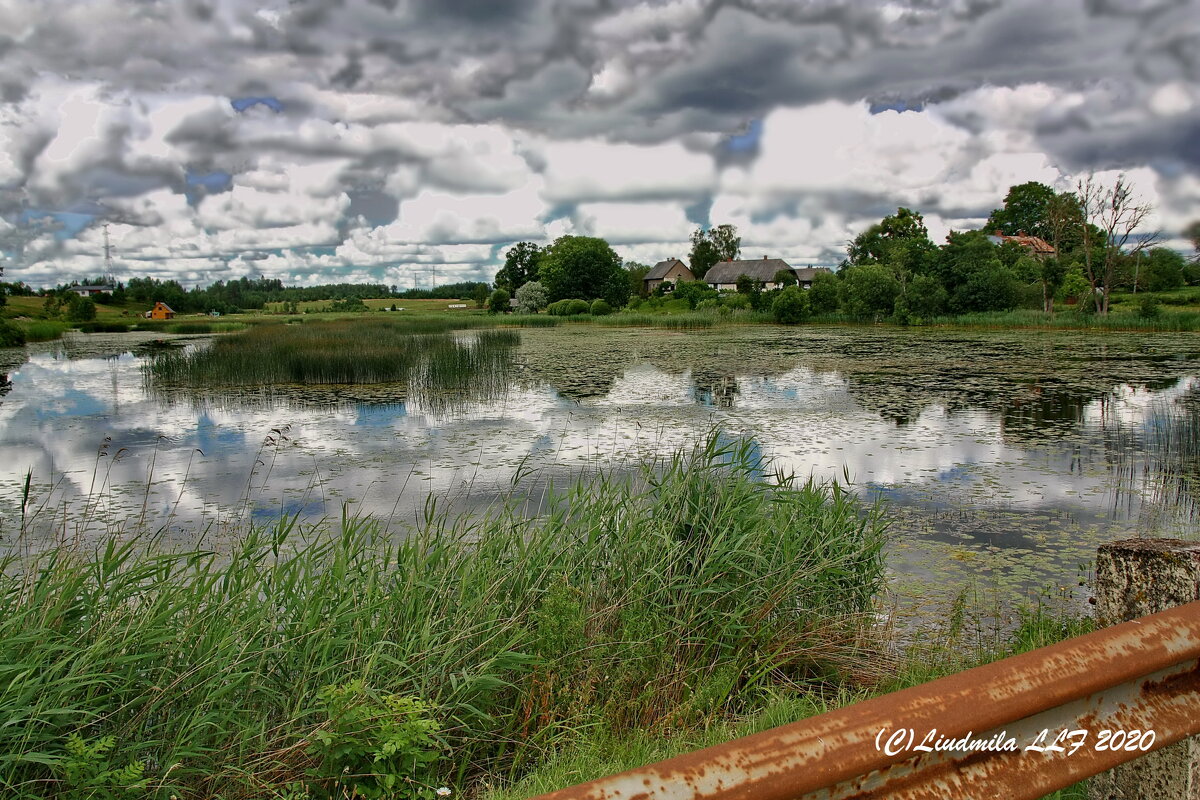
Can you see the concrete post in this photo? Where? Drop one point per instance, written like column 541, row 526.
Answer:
column 1134, row 578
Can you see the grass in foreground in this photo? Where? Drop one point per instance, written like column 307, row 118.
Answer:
column 957, row 646
column 319, row 664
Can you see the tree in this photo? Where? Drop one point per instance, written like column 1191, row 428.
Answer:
column 899, row 237
column 1026, row 209
column 871, row 290
column 1113, row 214
column 791, row 306
column 824, row 294
column 974, row 275
column 80, row 309
column 520, row 267
column 1163, row 269
column 479, row 295
column 637, row 278
column 1193, row 232
column 925, row 297
column 583, row 267
column 532, row 298
column 711, row 246
column 498, row 302
column 785, row 278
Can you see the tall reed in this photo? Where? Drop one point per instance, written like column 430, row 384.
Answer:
column 657, row 599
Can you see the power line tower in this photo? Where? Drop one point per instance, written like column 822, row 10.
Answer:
column 108, row 270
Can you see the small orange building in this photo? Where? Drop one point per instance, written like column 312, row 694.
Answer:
column 161, row 311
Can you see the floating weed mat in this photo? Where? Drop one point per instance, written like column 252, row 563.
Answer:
column 341, row 353
column 678, row 596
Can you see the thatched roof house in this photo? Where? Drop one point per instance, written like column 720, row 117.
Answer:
column 724, row 274
column 672, row 270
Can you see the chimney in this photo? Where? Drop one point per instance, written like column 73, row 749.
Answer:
column 1020, row 233
column 764, row 258
column 997, row 232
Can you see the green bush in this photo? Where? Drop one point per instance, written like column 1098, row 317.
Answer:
column 1149, row 308
column 600, row 308
column 791, row 306
column 498, row 302
column 374, row 746
column 11, row 335
column 737, row 302
column 80, row 309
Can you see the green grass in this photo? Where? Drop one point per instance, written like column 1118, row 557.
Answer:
column 341, row 352
column 1115, row 321
column 42, row 330
column 956, row 646
column 670, row 599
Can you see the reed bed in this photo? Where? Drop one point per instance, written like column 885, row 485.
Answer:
column 1167, row 321
column 669, row 597
column 43, row 330
column 348, row 352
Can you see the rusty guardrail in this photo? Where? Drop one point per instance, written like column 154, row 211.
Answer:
column 1088, row 703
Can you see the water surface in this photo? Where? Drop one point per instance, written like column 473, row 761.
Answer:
column 1005, row 458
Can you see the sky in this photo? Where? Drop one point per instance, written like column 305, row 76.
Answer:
column 409, row 142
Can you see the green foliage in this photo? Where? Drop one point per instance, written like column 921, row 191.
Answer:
column 637, row 278
column 87, row 771
column 569, row 308
column 498, row 302
column 521, row 264
column 374, row 746
column 1150, row 308
column 600, row 308
column 871, row 290
column 824, row 295
column 791, row 306
column 976, row 279
column 531, row 298
column 899, row 241
column 925, row 297
column 11, row 334
column 737, row 302
column 693, row 292
column 351, row 304
column 1163, row 269
column 711, row 246
column 479, row 295
column 1025, row 210
column 784, row 278
column 583, row 267
column 1075, row 284
column 80, row 309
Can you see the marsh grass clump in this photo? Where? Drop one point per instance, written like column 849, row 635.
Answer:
column 340, row 352
column 674, row 596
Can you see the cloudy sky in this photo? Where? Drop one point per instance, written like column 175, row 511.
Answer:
column 408, row 141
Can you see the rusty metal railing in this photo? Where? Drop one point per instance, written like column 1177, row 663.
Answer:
column 1070, row 711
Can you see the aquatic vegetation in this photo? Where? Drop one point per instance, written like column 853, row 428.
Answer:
column 666, row 598
column 332, row 353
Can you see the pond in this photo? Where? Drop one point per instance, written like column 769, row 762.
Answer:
column 1004, row 458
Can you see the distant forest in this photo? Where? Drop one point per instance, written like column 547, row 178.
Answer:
column 248, row 293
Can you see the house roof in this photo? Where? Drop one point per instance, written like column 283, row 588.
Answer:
column 100, row 287
column 806, row 274
column 762, row 269
column 660, row 270
column 165, row 307
column 1035, row 243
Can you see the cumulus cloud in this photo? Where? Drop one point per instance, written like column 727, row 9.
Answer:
column 394, row 129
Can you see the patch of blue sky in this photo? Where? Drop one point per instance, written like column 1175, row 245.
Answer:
column 746, row 142
column 243, row 103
